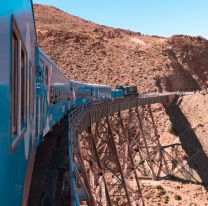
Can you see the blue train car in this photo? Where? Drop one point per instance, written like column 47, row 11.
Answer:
column 127, row 90
column 80, row 93
column 52, row 94
column 117, row 94
column 101, row 92
column 59, row 103
column 83, row 93
column 17, row 90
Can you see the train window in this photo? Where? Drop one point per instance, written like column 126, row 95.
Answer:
column 15, row 73
column 31, row 90
column 55, row 97
column 46, row 76
column 51, row 94
column 18, row 86
column 41, row 64
column 41, row 67
column 23, row 88
column 59, row 94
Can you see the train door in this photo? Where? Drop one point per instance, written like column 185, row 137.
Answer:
column 45, row 98
column 40, row 81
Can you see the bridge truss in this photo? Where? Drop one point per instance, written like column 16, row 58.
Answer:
column 115, row 144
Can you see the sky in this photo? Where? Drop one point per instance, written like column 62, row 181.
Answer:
column 152, row 17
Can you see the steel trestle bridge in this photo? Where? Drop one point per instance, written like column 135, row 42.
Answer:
column 115, row 144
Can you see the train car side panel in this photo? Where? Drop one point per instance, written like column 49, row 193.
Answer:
column 53, row 95
column 17, row 129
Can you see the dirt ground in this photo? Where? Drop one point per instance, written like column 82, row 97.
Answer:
column 191, row 125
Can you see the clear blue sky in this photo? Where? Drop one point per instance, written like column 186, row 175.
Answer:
column 154, row 17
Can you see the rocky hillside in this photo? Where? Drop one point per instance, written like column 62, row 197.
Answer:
column 99, row 54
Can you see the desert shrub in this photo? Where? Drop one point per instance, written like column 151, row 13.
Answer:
column 177, row 197
column 166, row 199
column 161, row 190
column 172, row 130
column 159, row 187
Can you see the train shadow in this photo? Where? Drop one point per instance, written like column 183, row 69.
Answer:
column 189, row 142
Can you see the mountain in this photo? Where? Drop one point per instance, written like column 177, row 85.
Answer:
column 98, row 54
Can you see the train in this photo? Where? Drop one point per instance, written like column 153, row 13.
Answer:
column 35, row 96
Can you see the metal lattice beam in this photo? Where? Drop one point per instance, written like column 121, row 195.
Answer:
column 115, row 144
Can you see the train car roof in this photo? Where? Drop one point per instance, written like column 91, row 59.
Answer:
column 79, row 82
column 60, row 84
column 100, row 85
column 90, row 84
column 51, row 61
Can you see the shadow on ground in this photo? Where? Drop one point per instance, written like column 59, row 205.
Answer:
column 190, row 142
